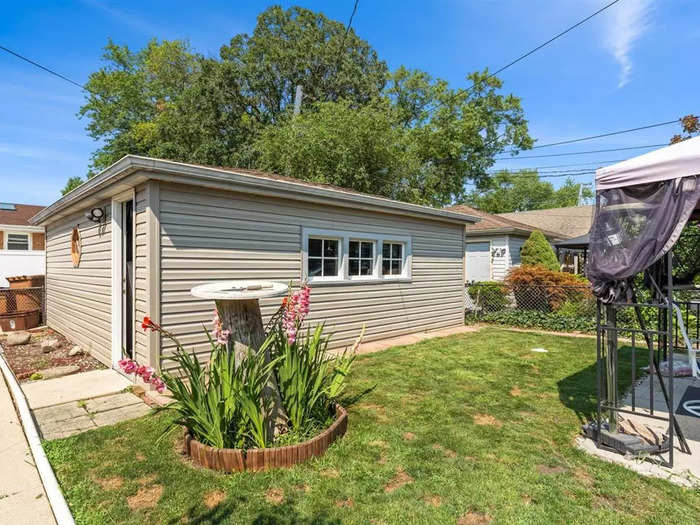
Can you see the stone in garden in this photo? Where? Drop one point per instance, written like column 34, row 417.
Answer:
column 76, row 350
column 18, row 338
column 49, row 345
column 59, row 371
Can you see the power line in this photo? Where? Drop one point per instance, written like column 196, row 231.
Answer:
column 569, row 165
column 48, row 70
column 580, row 152
column 571, row 141
column 534, row 50
column 352, row 15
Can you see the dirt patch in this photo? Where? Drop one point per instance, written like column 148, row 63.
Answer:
column 434, row 501
column 473, row 518
column 345, row 503
column 214, row 498
column 527, row 500
column 25, row 360
column 330, row 473
column 274, row 496
column 409, row 436
column 139, row 457
column 516, row 392
column 110, row 483
column 546, row 469
column 378, row 411
column 584, row 477
column 303, row 487
column 145, row 498
column 449, row 453
column 486, row 419
column 400, row 479
column 146, row 480
column 377, row 443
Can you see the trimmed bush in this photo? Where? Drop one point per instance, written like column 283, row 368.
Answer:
column 536, row 288
column 538, row 252
column 490, row 296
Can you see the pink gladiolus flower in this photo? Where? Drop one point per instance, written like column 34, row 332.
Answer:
column 221, row 335
column 296, row 308
column 147, row 373
column 158, row 383
column 128, row 366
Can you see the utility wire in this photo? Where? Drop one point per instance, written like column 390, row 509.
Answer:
column 534, row 50
column 580, row 152
column 569, row 165
column 48, row 70
column 571, row 141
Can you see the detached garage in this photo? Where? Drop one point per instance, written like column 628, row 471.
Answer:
column 144, row 232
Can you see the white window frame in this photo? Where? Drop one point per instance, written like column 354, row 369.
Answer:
column 403, row 259
column 6, row 238
column 341, row 257
column 344, row 249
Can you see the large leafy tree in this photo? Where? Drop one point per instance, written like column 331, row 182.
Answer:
column 419, row 141
column 403, row 135
column 522, row 191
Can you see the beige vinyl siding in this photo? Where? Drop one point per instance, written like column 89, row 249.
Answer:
column 78, row 300
column 140, row 274
column 208, row 236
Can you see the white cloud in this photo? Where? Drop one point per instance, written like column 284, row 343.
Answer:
column 626, row 24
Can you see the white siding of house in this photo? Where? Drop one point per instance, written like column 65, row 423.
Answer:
column 78, row 300
column 209, row 235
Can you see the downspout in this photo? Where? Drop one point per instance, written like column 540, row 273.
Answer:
column 58, row 503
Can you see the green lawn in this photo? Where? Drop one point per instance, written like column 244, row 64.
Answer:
column 455, row 430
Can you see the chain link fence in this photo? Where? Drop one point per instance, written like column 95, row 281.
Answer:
column 548, row 307
column 22, row 308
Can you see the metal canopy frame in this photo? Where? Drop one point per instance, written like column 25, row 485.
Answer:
column 666, row 337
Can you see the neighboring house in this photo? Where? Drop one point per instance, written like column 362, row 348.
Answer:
column 22, row 250
column 394, row 267
column 571, row 224
column 567, row 223
column 493, row 244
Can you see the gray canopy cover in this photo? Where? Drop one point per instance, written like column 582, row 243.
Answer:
column 642, row 205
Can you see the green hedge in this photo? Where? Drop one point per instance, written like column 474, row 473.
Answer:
column 489, row 295
column 537, row 319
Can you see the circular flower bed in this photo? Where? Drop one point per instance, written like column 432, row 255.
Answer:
column 255, row 459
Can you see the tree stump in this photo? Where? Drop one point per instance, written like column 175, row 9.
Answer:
column 243, row 318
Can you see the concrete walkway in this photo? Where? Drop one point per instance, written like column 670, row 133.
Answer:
column 74, row 387
column 22, row 496
column 403, row 340
column 76, row 403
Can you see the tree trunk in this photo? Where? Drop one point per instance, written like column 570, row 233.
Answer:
column 243, row 319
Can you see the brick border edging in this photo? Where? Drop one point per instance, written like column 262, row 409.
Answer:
column 256, row 459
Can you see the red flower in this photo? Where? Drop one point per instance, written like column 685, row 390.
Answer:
column 147, row 323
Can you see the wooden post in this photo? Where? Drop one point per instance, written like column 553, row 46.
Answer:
column 243, row 318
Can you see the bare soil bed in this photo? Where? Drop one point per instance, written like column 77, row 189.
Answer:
column 29, row 358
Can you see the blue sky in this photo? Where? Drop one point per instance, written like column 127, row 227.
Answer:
column 635, row 64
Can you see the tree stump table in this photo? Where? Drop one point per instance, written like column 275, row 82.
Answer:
column 239, row 311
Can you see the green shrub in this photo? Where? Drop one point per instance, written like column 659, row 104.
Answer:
column 543, row 320
column 538, row 252
column 490, row 296
column 537, row 288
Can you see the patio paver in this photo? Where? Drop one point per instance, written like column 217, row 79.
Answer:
column 74, row 417
column 86, row 385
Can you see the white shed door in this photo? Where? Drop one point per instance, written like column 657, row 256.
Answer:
column 478, row 261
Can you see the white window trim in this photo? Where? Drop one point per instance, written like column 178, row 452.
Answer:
column 13, row 232
column 345, row 237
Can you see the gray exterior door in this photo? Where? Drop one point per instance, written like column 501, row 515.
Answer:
column 478, row 262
